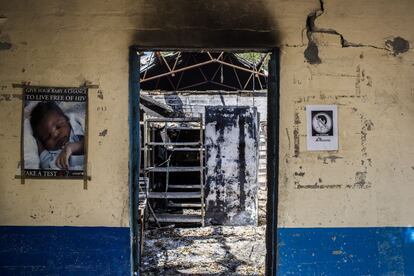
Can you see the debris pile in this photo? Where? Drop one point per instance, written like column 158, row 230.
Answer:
column 218, row 250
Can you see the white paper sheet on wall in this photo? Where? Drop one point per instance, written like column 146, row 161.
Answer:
column 322, row 127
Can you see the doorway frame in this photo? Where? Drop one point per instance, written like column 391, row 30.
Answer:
column 273, row 122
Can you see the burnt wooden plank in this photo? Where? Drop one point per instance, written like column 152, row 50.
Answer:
column 161, row 120
column 177, row 218
column 184, row 186
column 174, row 195
column 174, row 143
column 184, row 205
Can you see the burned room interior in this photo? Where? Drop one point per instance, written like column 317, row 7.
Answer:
column 144, row 177
column 203, row 162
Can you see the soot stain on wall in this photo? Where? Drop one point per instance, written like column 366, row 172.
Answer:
column 5, row 45
column 296, row 141
column 218, row 29
column 311, row 53
column 361, row 176
column 398, row 45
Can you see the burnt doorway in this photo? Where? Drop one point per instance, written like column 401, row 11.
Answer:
column 170, row 213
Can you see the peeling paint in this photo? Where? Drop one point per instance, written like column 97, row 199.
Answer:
column 297, row 119
column 296, row 141
column 358, row 81
column 368, row 125
column 100, row 94
column 360, row 179
column 102, row 108
column 301, row 174
column 103, row 133
column 296, row 135
column 331, row 158
column 337, row 252
column 5, row 97
column 316, row 186
column 10, row 97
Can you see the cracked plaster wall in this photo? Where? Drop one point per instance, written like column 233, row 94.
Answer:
column 364, row 64
column 366, row 182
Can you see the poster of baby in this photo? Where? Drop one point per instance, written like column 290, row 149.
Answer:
column 53, row 141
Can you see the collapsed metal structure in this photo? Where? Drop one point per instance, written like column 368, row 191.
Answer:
column 173, row 163
column 202, row 71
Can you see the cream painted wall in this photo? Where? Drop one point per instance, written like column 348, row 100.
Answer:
column 62, row 43
column 66, row 49
column 368, row 181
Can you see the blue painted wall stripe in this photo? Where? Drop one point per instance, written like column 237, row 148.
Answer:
column 50, row 250
column 59, row 250
column 346, row 251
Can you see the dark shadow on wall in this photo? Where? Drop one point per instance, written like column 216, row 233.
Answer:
column 205, row 24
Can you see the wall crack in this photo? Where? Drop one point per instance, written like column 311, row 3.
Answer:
column 312, row 53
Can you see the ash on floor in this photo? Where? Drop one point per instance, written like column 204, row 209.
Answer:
column 218, row 250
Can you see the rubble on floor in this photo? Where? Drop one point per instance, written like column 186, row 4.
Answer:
column 217, row 250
